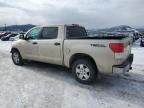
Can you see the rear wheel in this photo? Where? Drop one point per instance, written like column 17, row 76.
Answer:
column 84, row 71
column 16, row 58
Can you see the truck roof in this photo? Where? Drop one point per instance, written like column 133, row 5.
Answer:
column 53, row 25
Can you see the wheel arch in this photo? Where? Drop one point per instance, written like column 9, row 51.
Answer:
column 15, row 49
column 12, row 49
column 76, row 56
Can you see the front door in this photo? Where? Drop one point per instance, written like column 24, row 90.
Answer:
column 30, row 44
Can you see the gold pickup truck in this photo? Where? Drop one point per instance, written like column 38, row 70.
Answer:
column 70, row 46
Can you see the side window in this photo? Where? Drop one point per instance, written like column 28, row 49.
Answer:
column 76, row 32
column 34, row 33
column 49, row 33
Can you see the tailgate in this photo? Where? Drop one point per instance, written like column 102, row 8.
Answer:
column 127, row 47
column 127, row 43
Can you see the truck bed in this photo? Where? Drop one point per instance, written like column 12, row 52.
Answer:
column 99, row 49
column 101, row 37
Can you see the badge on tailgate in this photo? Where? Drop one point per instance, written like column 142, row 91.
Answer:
column 97, row 45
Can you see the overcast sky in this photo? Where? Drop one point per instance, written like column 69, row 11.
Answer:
column 90, row 13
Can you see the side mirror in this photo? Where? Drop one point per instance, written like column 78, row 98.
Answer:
column 21, row 36
column 28, row 38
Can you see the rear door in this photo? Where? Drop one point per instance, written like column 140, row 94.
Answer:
column 50, row 46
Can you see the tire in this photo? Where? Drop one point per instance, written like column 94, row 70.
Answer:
column 84, row 71
column 141, row 44
column 17, row 58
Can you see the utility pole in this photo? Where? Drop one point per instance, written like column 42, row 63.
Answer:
column 16, row 28
column 5, row 27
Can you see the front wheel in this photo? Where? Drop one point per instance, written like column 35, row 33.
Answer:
column 141, row 44
column 16, row 58
column 84, row 71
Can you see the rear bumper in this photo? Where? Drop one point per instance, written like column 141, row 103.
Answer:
column 125, row 66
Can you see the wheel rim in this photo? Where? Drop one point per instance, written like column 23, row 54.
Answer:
column 82, row 72
column 16, row 57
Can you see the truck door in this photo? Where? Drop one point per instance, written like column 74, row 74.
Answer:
column 50, row 46
column 29, row 47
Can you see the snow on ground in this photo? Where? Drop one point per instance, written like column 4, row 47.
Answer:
column 39, row 85
column 138, row 53
column 138, row 64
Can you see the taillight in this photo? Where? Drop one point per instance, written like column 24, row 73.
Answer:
column 117, row 47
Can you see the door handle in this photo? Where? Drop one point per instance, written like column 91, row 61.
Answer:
column 56, row 44
column 34, row 43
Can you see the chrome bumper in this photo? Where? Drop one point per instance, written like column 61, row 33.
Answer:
column 124, row 67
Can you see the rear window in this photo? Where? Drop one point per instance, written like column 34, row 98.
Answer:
column 76, row 32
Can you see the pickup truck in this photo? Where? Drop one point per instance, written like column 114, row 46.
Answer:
column 70, row 46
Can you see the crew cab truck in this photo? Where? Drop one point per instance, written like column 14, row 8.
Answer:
column 70, row 46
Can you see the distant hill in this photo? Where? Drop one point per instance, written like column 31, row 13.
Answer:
column 23, row 28
column 140, row 29
column 117, row 28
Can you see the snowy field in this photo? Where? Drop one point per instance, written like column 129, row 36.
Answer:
column 38, row 85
